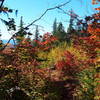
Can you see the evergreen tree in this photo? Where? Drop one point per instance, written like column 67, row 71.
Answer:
column 70, row 28
column 21, row 33
column 54, row 27
column 37, row 33
column 36, row 38
column 60, row 34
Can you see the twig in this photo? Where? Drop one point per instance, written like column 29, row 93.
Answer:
column 2, row 48
column 67, row 13
column 56, row 7
column 2, row 4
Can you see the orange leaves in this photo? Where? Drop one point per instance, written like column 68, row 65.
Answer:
column 90, row 43
column 94, row 2
column 70, row 65
column 97, row 8
column 47, row 39
column 93, row 37
column 46, row 42
column 94, row 29
column 60, row 64
column 97, row 16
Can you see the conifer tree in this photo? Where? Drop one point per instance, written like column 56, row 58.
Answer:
column 54, row 27
column 21, row 33
column 60, row 34
column 37, row 33
column 36, row 38
column 72, row 18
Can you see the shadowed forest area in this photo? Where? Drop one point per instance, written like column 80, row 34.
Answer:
column 57, row 65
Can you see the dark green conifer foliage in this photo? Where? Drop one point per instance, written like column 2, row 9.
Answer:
column 37, row 33
column 21, row 33
column 54, row 27
column 60, row 34
column 70, row 28
column 36, row 38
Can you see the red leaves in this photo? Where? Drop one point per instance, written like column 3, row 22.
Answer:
column 91, row 43
column 38, row 42
column 48, row 39
column 96, row 16
column 46, row 42
column 94, row 30
column 71, row 60
column 35, row 63
column 69, row 65
column 60, row 65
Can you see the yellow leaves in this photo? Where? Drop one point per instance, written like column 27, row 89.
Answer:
column 53, row 56
column 20, row 38
column 94, row 2
column 97, row 60
column 80, row 54
column 97, row 98
column 58, row 54
column 42, row 54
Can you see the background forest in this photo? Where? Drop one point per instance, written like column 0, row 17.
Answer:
column 58, row 65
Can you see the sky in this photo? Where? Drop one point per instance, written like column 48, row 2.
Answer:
column 32, row 9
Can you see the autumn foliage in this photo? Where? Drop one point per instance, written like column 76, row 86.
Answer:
column 50, row 69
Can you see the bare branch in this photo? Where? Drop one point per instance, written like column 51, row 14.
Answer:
column 2, row 3
column 49, row 9
column 56, row 7
column 67, row 13
column 2, row 48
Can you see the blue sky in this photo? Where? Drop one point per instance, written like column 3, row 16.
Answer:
column 32, row 9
